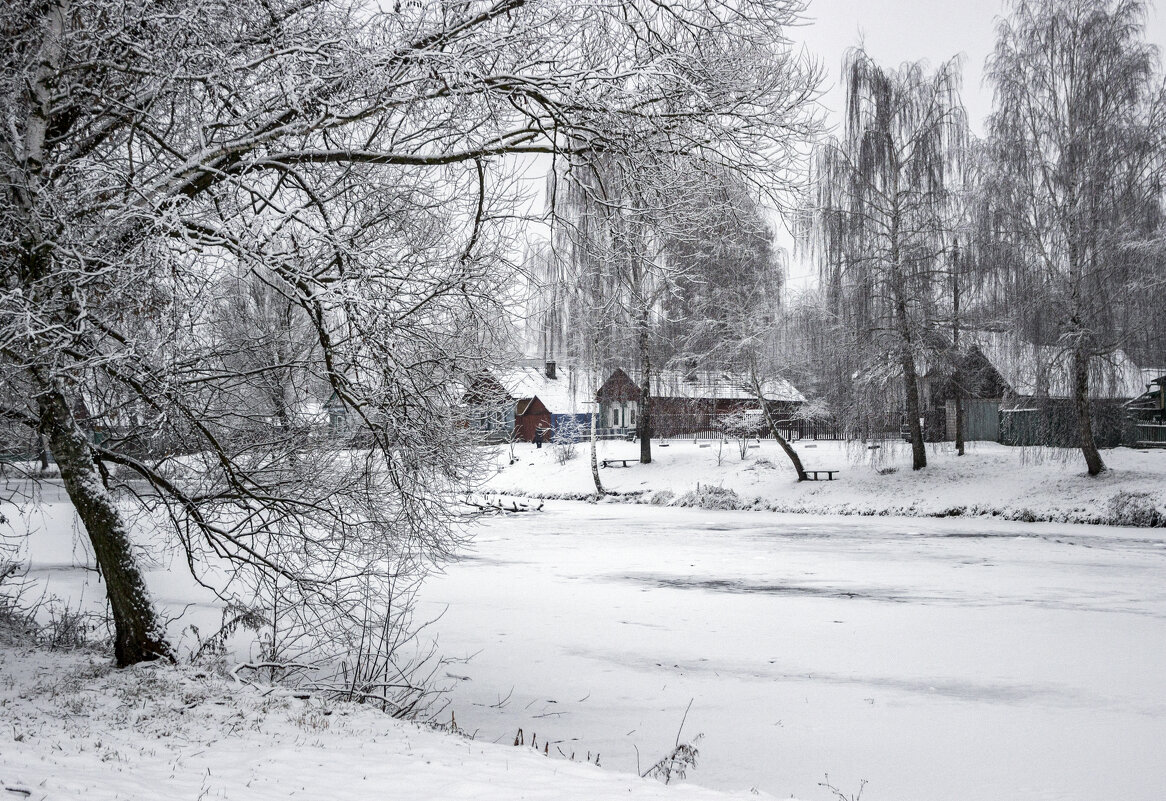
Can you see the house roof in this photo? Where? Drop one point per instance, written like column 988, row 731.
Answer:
column 718, row 385
column 1153, row 375
column 557, row 394
column 1046, row 370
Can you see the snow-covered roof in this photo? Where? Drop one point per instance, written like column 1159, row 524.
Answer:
column 711, row 384
column 557, row 394
column 1046, row 370
column 1153, row 375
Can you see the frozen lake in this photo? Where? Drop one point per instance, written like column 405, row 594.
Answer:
column 932, row 658
column 936, row 659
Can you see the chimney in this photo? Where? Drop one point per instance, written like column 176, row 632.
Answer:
column 550, row 369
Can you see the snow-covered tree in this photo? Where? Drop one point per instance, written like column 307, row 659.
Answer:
column 880, row 215
column 352, row 157
column 1072, row 222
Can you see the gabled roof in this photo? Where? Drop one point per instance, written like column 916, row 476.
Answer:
column 720, row 385
column 1046, row 370
column 557, row 394
column 1154, row 375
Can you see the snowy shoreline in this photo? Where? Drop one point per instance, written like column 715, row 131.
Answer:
column 992, row 481
column 80, row 728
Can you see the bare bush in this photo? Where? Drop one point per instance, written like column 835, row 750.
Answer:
column 1135, row 509
column 708, row 496
column 565, row 441
column 741, row 427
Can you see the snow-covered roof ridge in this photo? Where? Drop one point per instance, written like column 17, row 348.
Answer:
column 1046, row 370
column 558, row 394
column 721, row 384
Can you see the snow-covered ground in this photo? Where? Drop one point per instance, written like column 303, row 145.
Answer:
column 75, row 728
column 991, row 480
column 969, row 658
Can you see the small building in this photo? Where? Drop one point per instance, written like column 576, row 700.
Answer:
column 690, row 401
column 1148, row 412
column 971, row 376
column 488, row 408
column 515, row 402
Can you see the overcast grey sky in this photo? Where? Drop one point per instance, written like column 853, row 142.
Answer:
column 909, row 30
column 895, row 31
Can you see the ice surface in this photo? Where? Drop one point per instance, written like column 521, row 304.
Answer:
column 956, row 658
column 933, row 658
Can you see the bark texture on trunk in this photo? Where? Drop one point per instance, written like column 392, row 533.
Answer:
column 599, row 491
column 957, row 373
column 959, row 423
column 910, row 381
column 906, row 357
column 644, row 417
column 911, row 385
column 1081, row 406
column 139, row 635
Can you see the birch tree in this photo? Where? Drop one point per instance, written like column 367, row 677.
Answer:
column 879, row 214
column 1075, row 140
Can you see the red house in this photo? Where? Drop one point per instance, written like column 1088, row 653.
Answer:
column 517, row 401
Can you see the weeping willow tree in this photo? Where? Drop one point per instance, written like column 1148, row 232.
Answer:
column 1075, row 190
column 880, row 217
column 631, row 223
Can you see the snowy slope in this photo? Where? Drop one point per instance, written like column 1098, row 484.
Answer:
column 991, row 480
column 75, row 728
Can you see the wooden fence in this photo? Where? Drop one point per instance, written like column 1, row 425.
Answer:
column 1151, row 435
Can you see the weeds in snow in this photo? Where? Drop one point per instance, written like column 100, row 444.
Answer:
column 545, row 750
column 838, row 794
column 677, row 762
column 48, row 621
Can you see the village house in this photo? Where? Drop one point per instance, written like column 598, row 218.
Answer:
column 1148, row 411
column 515, row 402
column 691, row 401
column 1038, row 407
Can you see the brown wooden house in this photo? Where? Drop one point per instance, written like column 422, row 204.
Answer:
column 518, row 401
column 690, row 402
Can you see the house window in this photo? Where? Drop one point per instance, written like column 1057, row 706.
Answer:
column 615, row 417
column 632, row 416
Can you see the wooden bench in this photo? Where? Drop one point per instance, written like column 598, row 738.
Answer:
column 813, row 475
column 614, row 462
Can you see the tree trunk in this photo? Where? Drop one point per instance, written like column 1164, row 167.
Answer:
column 43, row 442
column 911, row 385
column 906, row 357
column 139, row 635
column 957, row 374
column 599, row 491
column 959, row 422
column 1081, row 405
column 790, row 453
column 644, row 418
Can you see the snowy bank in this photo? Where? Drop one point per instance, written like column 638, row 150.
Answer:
column 992, row 480
column 76, row 728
